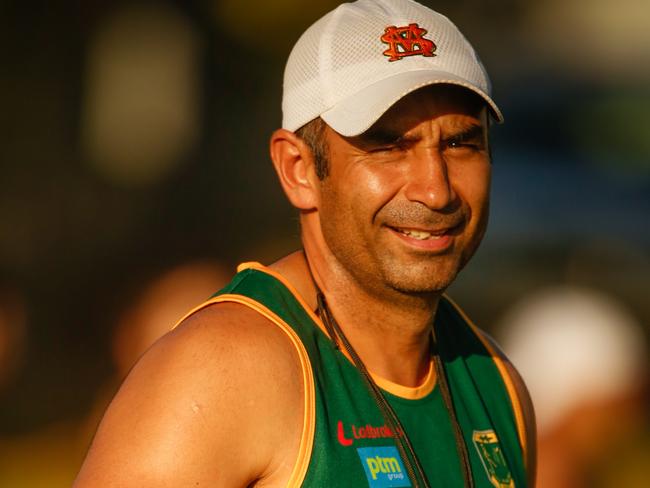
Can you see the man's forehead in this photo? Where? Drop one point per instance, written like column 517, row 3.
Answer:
column 458, row 106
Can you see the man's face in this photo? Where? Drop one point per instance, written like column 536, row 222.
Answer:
column 405, row 204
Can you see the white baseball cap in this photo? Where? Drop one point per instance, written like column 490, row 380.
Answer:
column 354, row 63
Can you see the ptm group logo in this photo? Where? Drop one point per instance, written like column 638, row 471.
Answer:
column 383, row 466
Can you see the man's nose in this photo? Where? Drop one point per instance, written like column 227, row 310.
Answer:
column 428, row 180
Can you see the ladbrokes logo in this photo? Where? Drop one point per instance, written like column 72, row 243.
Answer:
column 383, row 467
column 365, row 432
column 406, row 41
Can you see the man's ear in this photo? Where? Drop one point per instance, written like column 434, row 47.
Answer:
column 294, row 163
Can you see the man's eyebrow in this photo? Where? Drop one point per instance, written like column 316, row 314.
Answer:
column 466, row 133
column 384, row 136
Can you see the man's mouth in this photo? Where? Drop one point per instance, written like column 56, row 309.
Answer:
column 422, row 235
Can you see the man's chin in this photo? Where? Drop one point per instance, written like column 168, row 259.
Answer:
column 418, row 280
column 430, row 288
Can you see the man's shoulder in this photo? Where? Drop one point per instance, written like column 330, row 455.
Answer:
column 223, row 338
column 234, row 354
column 229, row 331
column 200, row 398
column 228, row 336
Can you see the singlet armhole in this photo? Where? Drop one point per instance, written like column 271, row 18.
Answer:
column 505, row 376
column 303, row 458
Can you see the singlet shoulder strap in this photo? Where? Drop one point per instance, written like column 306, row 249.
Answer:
column 480, row 342
column 252, row 288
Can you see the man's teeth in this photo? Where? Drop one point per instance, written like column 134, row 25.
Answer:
column 420, row 234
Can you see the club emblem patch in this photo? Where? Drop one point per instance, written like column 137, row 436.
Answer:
column 383, row 466
column 406, row 41
column 489, row 450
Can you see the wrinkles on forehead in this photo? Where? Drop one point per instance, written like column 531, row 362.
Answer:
column 457, row 109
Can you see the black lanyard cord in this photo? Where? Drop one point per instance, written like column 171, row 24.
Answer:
column 461, row 447
column 403, row 443
column 411, row 461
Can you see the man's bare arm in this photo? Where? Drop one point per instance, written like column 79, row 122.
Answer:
column 216, row 402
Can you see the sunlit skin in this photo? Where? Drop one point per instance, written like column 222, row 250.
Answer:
column 423, row 167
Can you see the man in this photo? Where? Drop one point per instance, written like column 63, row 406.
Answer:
column 343, row 364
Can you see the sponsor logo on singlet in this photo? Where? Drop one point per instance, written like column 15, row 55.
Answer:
column 383, row 466
column 362, row 432
column 489, row 450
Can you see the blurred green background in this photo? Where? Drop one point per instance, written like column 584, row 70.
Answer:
column 133, row 139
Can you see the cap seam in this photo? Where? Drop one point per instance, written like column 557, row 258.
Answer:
column 325, row 57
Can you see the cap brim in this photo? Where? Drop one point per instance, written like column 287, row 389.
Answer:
column 357, row 113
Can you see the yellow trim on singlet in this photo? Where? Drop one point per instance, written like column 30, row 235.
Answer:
column 406, row 392
column 309, row 419
column 303, row 303
column 505, row 375
column 409, row 392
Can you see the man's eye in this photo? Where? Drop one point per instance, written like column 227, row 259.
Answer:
column 460, row 144
column 388, row 148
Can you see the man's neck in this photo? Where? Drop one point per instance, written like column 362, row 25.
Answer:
column 390, row 332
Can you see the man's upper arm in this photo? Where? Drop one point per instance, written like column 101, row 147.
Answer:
column 194, row 407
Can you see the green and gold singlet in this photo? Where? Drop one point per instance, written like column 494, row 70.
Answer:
column 345, row 442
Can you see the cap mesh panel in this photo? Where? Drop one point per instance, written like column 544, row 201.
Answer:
column 342, row 53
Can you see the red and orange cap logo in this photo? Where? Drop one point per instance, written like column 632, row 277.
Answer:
column 406, row 41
